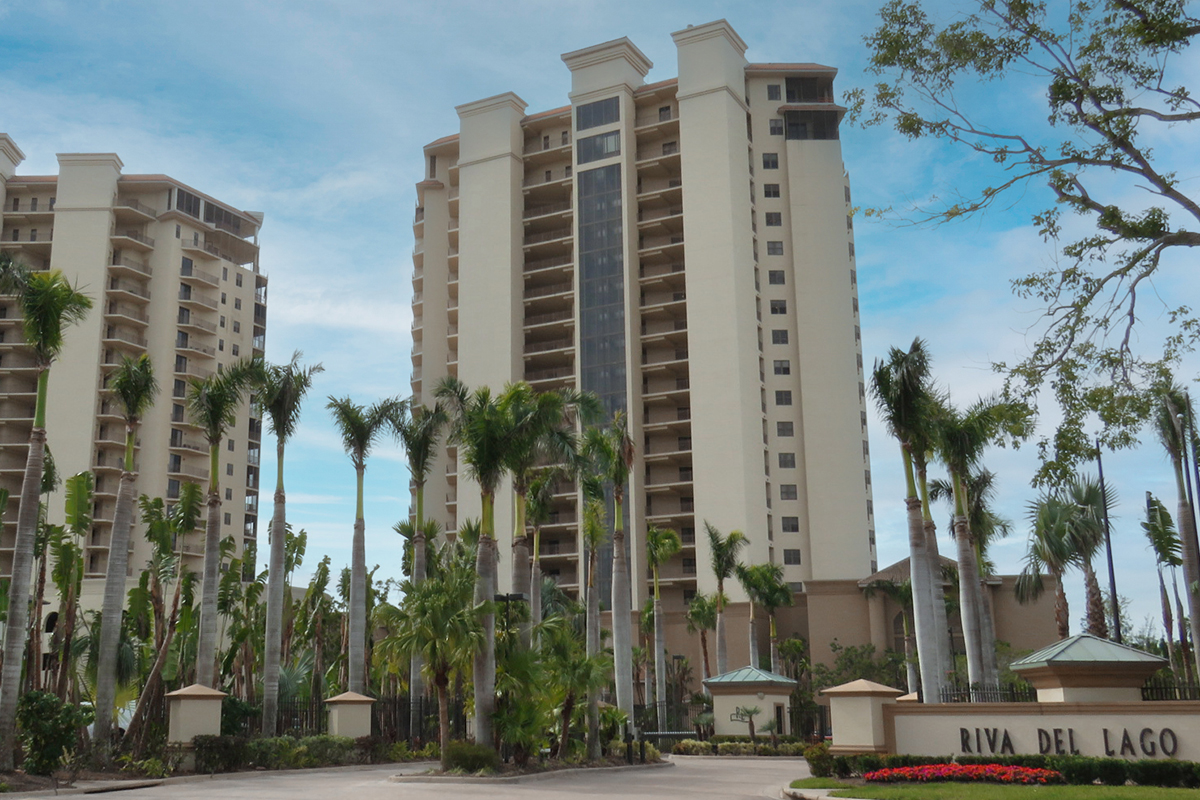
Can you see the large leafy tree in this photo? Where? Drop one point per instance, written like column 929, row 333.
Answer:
column 49, row 305
column 662, row 544
column 1114, row 83
column 359, row 427
column 279, row 398
column 609, row 453
column 135, row 387
column 213, row 403
column 909, row 406
column 723, row 551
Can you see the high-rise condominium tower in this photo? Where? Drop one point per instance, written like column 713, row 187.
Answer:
column 172, row 273
column 683, row 249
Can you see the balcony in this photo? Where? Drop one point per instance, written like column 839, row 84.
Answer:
column 548, row 237
column 121, row 337
column 190, row 445
column 548, row 264
column 532, row 348
column 551, row 374
column 38, row 241
column 126, row 208
column 192, row 321
column 198, row 246
column 195, row 347
column 190, row 273
column 553, row 290
column 532, row 320
column 137, row 240
column 123, row 265
column 192, row 370
column 128, row 290
column 197, row 299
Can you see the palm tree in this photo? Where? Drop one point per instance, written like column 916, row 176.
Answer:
column 481, row 430
column 542, row 431
column 907, row 404
column 135, row 387
column 1172, row 419
column 702, row 618
column 538, row 503
column 279, row 398
column 1087, row 535
column 774, row 594
column 358, row 427
column 593, row 537
column 724, row 552
column 49, row 304
column 610, row 453
column 962, row 437
column 437, row 625
column 213, row 404
column 1050, row 550
column 1164, row 541
column 661, row 546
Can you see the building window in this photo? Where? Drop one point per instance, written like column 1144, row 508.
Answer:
column 237, row 303
column 779, row 306
column 812, row 124
column 790, row 524
column 785, row 429
column 237, row 279
column 770, row 190
column 223, row 298
column 783, row 367
column 770, row 160
column 787, row 461
column 601, row 112
column 172, row 489
column 783, row 397
column 774, row 277
column 689, row 566
column 779, row 337
column 237, row 327
column 228, row 519
column 788, row 491
column 777, row 127
column 774, row 248
column 222, row 320
column 664, row 113
column 774, row 91
column 221, row 345
column 774, row 219
column 188, row 203
column 229, row 469
column 791, row 557
column 235, row 350
column 228, row 494
column 178, row 230
column 594, row 148
column 229, row 445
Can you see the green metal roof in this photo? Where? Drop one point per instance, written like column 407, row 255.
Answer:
column 749, row 675
column 1084, row 648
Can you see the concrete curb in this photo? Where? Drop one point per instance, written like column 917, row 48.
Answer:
column 537, row 776
column 116, row 785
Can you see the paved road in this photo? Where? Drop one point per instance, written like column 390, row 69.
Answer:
column 690, row 778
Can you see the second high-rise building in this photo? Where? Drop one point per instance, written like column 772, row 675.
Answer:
column 684, row 250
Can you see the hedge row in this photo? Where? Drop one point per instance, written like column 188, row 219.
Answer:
column 692, row 747
column 233, row 753
column 1078, row 770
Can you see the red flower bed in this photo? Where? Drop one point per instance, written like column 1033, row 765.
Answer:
column 964, row 773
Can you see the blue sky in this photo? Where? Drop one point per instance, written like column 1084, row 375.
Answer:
column 315, row 113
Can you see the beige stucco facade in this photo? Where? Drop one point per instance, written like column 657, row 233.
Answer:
column 172, row 273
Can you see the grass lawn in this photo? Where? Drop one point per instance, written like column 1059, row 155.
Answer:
column 990, row 791
column 820, row 783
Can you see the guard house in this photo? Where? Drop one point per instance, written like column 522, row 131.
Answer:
column 745, row 688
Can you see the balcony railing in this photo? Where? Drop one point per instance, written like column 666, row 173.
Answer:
column 122, row 202
column 548, row 236
column 552, row 289
column 549, row 208
column 130, row 288
column 136, row 236
column 199, row 323
column 190, row 271
column 553, row 344
column 553, row 316
column 546, row 263
column 122, row 261
column 208, row 301
column 196, row 347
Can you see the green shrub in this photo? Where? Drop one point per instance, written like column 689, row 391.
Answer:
column 48, row 729
column 432, row 751
column 735, row 749
column 373, row 750
column 325, row 751
column 470, row 757
column 220, row 753
column 276, row 752
column 686, row 747
column 1112, row 771
column 237, row 716
column 766, row 750
column 617, row 748
column 820, row 762
column 868, row 763
column 400, row 752
column 792, row 749
column 1150, row 772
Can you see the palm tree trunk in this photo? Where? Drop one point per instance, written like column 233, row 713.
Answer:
column 593, row 650
column 66, row 619
column 141, row 711
column 206, row 649
column 910, row 655
column 987, row 635
column 33, row 677
column 568, row 708
column 774, row 644
column 357, row 623
column 923, row 585
column 660, row 663
column 1168, row 623
column 704, row 653
column 416, row 681
column 18, row 588
column 937, row 586
column 722, row 649
column 1097, row 621
column 968, row 584
column 485, row 658
column 110, row 616
column 521, row 569
column 1191, row 560
column 1185, row 647
column 535, row 590
column 273, row 653
column 1062, row 613
column 752, row 631
column 443, row 718
column 622, row 621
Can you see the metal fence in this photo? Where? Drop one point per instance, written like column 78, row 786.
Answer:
column 1166, row 687
column 390, row 719
column 993, row 693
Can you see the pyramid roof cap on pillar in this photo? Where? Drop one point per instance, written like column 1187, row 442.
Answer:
column 749, row 676
column 1084, row 648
